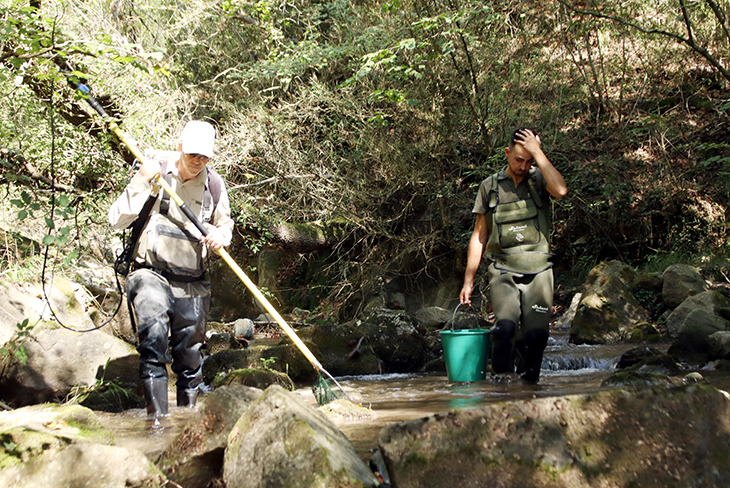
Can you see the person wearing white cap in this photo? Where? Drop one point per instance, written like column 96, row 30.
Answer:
column 167, row 291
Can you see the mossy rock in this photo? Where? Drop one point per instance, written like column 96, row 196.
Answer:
column 637, row 379
column 285, row 357
column 223, row 362
column 642, row 332
column 28, row 432
column 256, row 378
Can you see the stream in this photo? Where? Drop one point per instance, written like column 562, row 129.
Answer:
column 566, row 369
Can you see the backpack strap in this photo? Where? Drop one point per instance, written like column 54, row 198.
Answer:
column 532, row 184
column 165, row 202
column 494, row 192
column 213, row 187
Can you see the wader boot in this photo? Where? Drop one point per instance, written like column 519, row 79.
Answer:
column 535, row 342
column 187, row 397
column 155, row 396
column 502, row 335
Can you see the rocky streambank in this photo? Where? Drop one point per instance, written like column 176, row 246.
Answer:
column 654, row 426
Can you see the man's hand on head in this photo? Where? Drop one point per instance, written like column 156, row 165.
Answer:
column 529, row 140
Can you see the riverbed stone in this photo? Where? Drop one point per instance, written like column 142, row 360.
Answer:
column 712, row 302
column 646, row 359
column 282, row 441
column 605, row 271
column 694, row 321
column 681, row 281
column 719, row 345
column 50, row 445
column 255, row 378
column 606, row 315
column 60, row 359
column 676, row 436
column 195, row 457
column 566, row 320
column 434, row 318
column 387, row 341
column 85, row 465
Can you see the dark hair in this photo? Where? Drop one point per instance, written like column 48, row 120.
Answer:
column 513, row 141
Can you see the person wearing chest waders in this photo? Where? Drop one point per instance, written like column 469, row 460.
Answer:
column 512, row 230
column 167, row 291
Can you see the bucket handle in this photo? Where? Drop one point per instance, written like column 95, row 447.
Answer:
column 453, row 318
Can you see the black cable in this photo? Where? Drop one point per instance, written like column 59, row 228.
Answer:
column 53, row 209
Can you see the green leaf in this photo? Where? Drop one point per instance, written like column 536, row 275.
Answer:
column 50, row 223
column 62, row 200
column 22, row 214
column 49, row 240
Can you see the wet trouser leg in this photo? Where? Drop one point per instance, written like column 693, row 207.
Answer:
column 522, row 305
column 537, row 303
column 150, row 306
column 187, row 336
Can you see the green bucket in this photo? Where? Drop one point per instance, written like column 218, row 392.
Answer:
column 466, row 353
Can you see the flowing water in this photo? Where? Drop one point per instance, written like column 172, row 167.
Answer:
column 566, row 369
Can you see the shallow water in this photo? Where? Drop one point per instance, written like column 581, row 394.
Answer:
column 567, row 369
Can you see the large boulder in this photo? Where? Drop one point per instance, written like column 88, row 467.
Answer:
column 719, row 345
column 284, row 357
column 195, row 456
column 674, row 436
column 282, row 441
column 49, row 446
column 433, row 318
column 607, row 314
column 59, row 359
column 387, row 341
column 604, row 272
column 681, row 281
column 67, row 301
column 694, row 322
column 711, row 302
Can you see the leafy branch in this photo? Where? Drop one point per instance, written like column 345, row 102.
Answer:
column 690, row 39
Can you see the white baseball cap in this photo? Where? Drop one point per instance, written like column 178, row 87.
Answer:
column 198, row 137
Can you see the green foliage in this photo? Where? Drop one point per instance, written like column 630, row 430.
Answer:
column 384, row 116
column 15, row 347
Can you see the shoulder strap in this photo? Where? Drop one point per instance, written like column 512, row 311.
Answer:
column 124, row 260
column 531, row 182
column 215, row 183
column 494, row 192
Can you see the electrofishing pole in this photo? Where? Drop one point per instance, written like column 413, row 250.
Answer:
column 85, row 92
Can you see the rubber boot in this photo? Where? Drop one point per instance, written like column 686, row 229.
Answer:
column 186, row 398
column 155, row 396
column 535, row 342
column 502, row 335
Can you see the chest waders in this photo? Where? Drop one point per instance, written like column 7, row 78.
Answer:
column 520, row 279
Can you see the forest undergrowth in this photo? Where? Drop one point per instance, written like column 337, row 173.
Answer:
column 374, row 133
